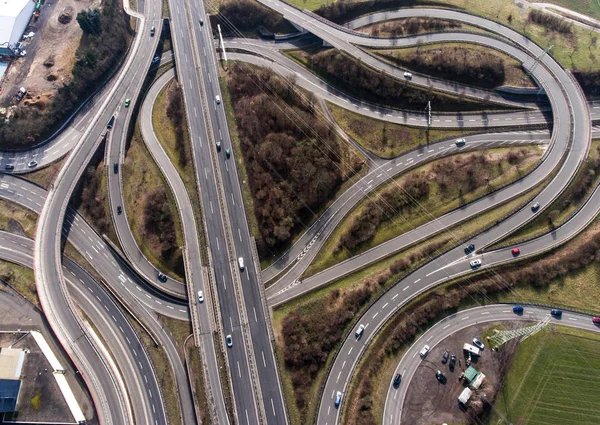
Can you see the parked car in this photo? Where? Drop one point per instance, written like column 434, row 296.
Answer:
column 200, row 297
column 596, row 320
column 162, row 277
column 515, row 251
column 445, row 357
column 32, row 164
column 469, row 249
column 119, row 210
column 338, row 399
column 440, row 377
column 518, row 309
column 535, row 207
column 241, row 263
column 424, row 351
column 478, row 343
column 452, row 362
column 555, row 312
column 397, row 380
column 408, row 75
column 360, row 331
column 229, row 341
column 475, row 263
column 218, row 99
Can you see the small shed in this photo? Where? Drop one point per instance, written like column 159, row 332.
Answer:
column 464, row 397
column 471, row 374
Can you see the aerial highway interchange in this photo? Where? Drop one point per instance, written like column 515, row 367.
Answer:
column 232, row 322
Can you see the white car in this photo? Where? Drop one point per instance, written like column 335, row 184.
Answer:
column 423, row 353
column 475, row 263
column 478, row 343
column 408, row 75
column 218, row 99
column 241, row 263
column 360, row 331
column 229, row 341
column 200, row 297
column 32, row 164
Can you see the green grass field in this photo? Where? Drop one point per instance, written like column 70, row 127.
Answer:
column 553, row 380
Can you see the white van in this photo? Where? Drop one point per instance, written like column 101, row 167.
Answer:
column 471, row 349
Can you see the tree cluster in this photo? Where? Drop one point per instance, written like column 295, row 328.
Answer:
column 292, row 158
column 158, row 221
column 245, row 15
column 474, row 67
column 589, row 81
column 345, row 10
column 391, row 203
column 353, row 77
column 98, row 54
column 92, row 200
column 409, row 26
column 550, row 22
column 310, row 338
column 176, row 113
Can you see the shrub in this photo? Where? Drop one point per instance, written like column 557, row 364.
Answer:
column 550, row 22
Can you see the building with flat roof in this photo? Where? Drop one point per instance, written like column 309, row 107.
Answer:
column 14, row 18
column 9, row 394
column 11, row 363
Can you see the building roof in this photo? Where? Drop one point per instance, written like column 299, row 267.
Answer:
column 9, row 393
column 465, row 395
column 9, row 11
column 11, row 363
column 470, row 374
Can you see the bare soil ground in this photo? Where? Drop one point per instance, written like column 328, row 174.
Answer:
column 50, row 53
column 430, row 402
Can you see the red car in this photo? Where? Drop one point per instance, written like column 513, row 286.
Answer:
column 516, row 251
column 596, row 320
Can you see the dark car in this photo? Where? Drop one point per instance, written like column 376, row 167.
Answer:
column 397, row 380
column 162, row 277
column 111, row 122
column 535, row 207
column 441, row 377
column 557, row 313
column 9, row 167
column 119, row 210
column 518, row 309
column 445, row 357
column 115, row 168
column 469, row 249
column 452, row 362
column 227, row 153
column 152, row 31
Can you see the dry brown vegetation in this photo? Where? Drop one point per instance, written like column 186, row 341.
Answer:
column 353, row 77
column 175, row 112
column 471, row 66
column 159, row 226
column 409, row 26
column 292, row 157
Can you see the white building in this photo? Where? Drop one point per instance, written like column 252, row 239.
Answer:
column 14, row 17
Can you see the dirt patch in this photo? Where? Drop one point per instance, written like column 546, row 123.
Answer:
column 431, row 402
column 50, row 53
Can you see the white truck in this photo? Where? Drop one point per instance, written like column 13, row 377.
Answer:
column 471, row 349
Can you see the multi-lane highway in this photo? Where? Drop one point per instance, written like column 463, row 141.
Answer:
column 121, row 339
column 451, row 324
